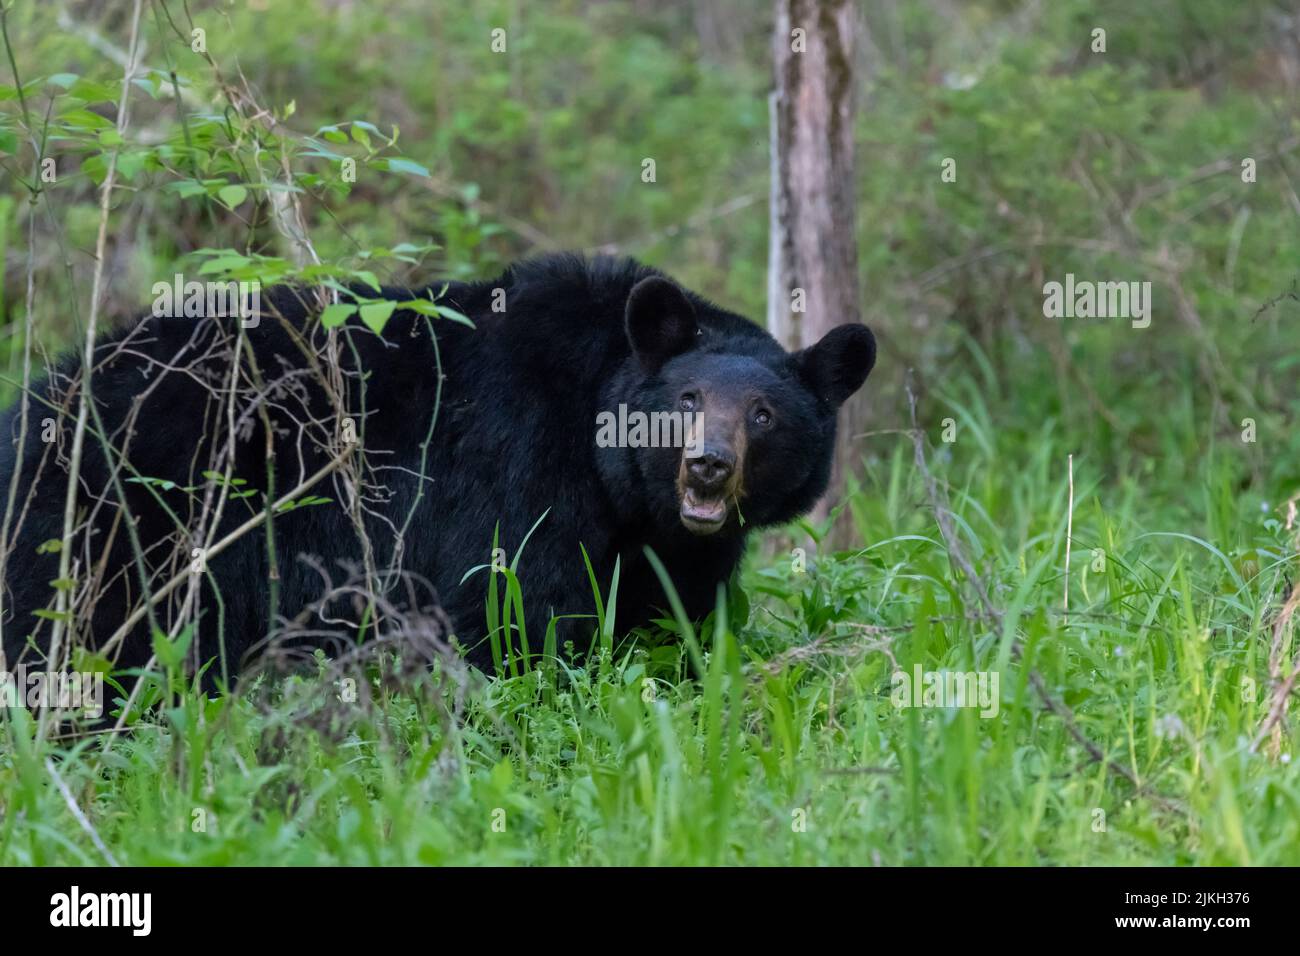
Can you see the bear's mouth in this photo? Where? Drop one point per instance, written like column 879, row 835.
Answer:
column 701, row 512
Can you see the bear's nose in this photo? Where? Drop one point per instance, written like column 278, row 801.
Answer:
column 711, row 469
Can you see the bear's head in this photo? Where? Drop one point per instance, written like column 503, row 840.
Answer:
column 739, row 432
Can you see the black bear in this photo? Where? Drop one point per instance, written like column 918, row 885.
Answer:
column 592, row 402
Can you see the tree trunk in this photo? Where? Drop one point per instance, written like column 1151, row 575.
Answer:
column 813, row 252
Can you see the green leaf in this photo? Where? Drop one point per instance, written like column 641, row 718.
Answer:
column 406, row 248
column 335, row 315
column 223, row 264
column 172, row 653
column 93, row 92
column 144, row 83
column 220, row 479
column 85, row 119
column 90, row 662
column 447, row 312
column 232, row 196
column 130, row 164
column 165, row 484
column 306, row 502
column 423, row 307
column 320, row 152
column 188, row 187
column 406, row 166
column 375, row 314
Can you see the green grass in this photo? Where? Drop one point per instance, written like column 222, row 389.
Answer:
column 786, row 749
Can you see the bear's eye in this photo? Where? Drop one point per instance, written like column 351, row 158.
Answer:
column 687, row 402
column 763, row 417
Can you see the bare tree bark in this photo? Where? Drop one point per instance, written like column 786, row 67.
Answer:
column 813, row 252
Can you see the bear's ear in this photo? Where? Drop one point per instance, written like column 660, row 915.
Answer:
column 660, row 322
column 837, row 366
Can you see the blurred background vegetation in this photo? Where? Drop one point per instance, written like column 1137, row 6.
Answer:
column 1122, row 165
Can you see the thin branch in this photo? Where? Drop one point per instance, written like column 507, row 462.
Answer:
column 1281, row 688
column 1069, row 535
column 63, row 613
column 77, row 812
